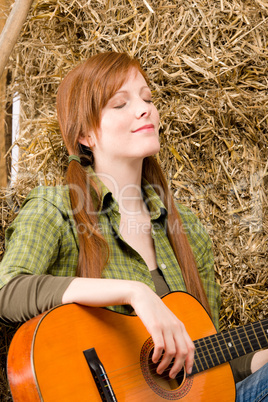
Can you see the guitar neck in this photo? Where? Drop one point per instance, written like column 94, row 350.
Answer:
column 228, row 345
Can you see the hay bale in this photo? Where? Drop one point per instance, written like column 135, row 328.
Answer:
column 208, row 66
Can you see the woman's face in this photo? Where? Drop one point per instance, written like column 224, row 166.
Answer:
column 129, row 124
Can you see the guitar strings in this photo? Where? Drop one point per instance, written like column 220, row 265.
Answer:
column 119, row 386
column 208, row 350
column 136, row 366
column 135, row 376
column 136, row 370
column 132, row 382
column 215, row 345
column 220, row 340
column 219, row 344
column 222, row 344
column 132, row 373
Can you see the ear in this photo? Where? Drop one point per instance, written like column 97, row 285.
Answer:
column 88, row 140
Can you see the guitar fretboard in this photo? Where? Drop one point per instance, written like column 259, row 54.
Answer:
column 226, row 346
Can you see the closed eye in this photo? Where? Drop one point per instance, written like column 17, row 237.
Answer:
column 119, row 106
column 123, row 104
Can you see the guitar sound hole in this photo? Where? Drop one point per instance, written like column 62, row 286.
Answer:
column 163, row 380
column 163, row 385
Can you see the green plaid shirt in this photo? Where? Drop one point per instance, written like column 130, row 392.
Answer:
column 43, row 240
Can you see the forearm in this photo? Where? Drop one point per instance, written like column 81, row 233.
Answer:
column 103, row 292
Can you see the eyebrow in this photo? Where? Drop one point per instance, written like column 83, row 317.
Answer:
column 123, row 91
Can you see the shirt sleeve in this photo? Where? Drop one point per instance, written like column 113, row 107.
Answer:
column 26, row 296
column 34, row 242
column 34, row 272
column 241, row 367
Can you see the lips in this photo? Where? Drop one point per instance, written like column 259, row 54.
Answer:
column 146, row 127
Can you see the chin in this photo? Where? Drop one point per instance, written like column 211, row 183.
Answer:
column 146, row 148
column 151, row 152
column 153, row 146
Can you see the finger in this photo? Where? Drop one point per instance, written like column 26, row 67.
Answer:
column 178, row 362
column 158, row 347
column 189, row 361
column 184, row 357
column 165, row 362
column 169, row 353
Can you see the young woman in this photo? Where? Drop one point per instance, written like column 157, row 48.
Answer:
column 113, row 236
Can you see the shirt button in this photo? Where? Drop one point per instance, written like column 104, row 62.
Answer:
column 163, row 266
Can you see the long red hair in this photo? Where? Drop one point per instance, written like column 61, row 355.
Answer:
column 82, row 95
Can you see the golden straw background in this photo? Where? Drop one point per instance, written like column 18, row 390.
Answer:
column 207, row 61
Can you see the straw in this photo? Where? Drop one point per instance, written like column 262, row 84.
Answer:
column 207, row 62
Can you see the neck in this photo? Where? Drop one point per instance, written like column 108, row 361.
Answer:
column 124, row 181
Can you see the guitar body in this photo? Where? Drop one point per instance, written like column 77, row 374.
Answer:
column 46, row 360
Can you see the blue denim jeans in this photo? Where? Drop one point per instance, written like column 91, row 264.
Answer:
column 254, row 388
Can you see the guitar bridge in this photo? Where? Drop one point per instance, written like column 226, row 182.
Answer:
column 99, row 375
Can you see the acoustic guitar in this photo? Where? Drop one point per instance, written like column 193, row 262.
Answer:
column 74, row 353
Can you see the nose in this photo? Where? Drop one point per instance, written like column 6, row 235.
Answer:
column 143, row 109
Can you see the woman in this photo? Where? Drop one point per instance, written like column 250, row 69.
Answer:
column 113, row 236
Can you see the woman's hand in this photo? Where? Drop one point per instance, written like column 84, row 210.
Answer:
column 168, row 332
column 259, row 359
